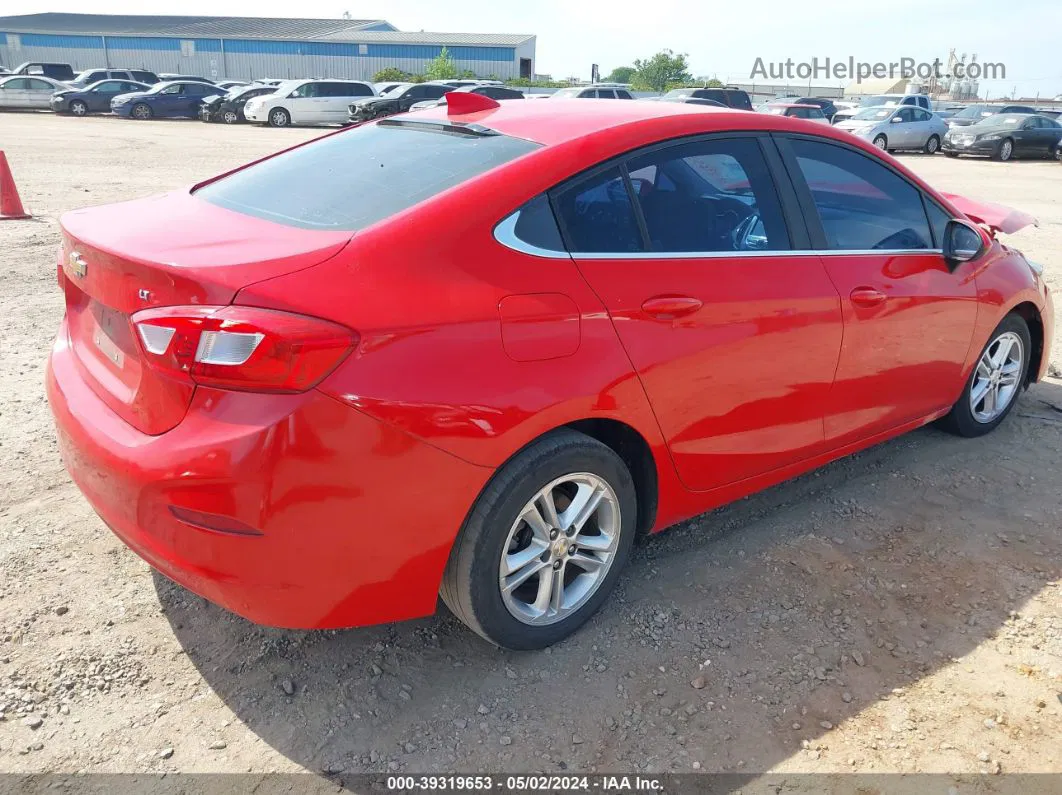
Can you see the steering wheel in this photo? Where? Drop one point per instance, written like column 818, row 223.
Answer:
column 741, row 237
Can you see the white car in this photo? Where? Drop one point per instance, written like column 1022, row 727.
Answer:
column 22, row 91
column 307, row 102
column 897, row 127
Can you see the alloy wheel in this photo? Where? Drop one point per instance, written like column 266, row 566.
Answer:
column 280, row 118
column 996, row 381
column 559, row 549
column 229, row 117
column 78, row 108
column 881, row 143
column 932, row 145
column 1006, row 149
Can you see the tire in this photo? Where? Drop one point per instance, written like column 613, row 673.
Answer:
column 561, row 464
column 951, row 154
column 278, row 117
column 141, row 111
column 1005, row 151
column 230, row 117
column 932, row 145
column 79, row 108
column 964, row 419
column 882, row 143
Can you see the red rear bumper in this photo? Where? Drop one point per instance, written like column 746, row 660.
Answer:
column 356, row 518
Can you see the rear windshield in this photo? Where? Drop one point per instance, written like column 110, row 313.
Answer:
column 355, row 178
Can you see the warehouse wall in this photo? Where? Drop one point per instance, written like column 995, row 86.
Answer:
column 250, row 58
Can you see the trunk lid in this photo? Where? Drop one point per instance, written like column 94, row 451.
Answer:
column 165, row 250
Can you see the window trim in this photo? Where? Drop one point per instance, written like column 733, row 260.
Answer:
column 810, row 212
column 505, row 233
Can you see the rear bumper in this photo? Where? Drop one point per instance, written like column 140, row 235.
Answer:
column 355, row 518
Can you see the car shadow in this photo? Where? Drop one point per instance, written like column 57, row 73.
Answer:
column 734, row 640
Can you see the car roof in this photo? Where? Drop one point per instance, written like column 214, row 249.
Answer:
column 793, row 105
column 542, row 123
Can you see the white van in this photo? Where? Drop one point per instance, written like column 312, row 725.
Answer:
column 307, row 102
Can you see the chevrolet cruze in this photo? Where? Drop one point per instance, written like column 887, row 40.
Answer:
column 475, row 351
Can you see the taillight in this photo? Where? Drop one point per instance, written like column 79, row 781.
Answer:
column 241, row 347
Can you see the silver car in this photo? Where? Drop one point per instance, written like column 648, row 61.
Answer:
column 28, row 91
column 902, row 127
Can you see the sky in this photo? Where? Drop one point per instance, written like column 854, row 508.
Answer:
column 721, row 39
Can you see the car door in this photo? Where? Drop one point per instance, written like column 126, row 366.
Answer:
column 908, row 318
column 900, row 133
column 169, row 101
column 921, row 128
column 39, row 92
column 734, row 338
column 99, row 97
column 302, row 104
column 13, row 93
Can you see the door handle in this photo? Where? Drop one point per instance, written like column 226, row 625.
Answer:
column 867, row 296
column 669, row 307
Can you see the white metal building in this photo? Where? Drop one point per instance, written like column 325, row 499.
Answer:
column 252, row 47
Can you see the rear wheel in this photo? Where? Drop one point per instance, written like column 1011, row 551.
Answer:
column 278, row 117
column 882, row 143
column 78, row 108
column 997, row 380
column 932, row 145
column 1005, row 151
column 951, row 154
column 230, row 117
column 142, row 111
column 544, row 543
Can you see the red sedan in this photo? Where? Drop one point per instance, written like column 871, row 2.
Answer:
column 477, row 354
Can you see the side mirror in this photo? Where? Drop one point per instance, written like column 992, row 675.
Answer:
column 896, row 119
column 962, row 242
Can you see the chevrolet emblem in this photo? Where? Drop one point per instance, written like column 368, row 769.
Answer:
column 78, row 265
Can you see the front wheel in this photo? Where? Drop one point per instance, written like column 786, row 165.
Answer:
column 78, row 108
column 544, row 544
column 278, row 117
column 230, row 117
column 142, row 112
column 1005, row 151
column 881, row 142
column 997, row 380
column 932, row 145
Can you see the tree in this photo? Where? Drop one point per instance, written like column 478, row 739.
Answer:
column 621, row 74
column 441, row 67
column 467, row 74
column 714, row 83
column 392, row 74
column 662, row 69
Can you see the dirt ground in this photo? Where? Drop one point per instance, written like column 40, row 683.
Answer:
column 897, row 611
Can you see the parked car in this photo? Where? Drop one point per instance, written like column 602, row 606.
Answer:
column 797, row 111
column 731, row 97
column 228, row 109
column 492, row 91
column 266, row 391
column 885, row 101
column 176, row 99
column 169, row 78
column 270, row 81
column 897, row 127
column 228, row 85
column 383, row 88
column 95, row 98
column 973, row 114
column 62, row 72
column 21, row 92
column 307, row 102
column 708, row 103
column 1003, row 136
column 1051, row 113
column 89, row 76
column 826, row 105
column 398, row 100
column 592, row 92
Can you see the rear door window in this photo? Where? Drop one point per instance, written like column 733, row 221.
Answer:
column 709, row 196
column 597, row 215
column 356, row 178
column 606, row 93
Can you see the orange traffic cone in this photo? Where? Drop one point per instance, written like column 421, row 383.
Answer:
column 10, row 204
